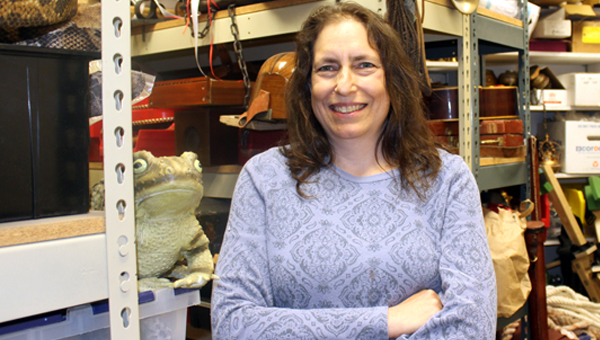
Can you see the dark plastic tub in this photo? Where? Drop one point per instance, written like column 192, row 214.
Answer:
column 44, row 133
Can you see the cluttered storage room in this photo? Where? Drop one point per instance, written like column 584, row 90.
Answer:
column 197, row 169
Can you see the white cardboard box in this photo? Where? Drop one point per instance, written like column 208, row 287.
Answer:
column 550, row 97
column 552, row 29
column 583, row 89
column 553, row 95
column 580, row 145
column 553, row 26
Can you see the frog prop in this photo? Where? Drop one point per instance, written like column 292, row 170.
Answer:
column 167, row 192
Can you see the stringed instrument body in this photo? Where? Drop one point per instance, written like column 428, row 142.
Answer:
column 500, row 129
column 494, row 102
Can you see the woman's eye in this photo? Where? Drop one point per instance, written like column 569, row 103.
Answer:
column 366, row 65
column 325, row 68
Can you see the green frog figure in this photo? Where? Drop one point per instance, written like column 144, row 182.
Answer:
column 167, row 192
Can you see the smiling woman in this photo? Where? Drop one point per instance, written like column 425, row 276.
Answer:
column 359, row 228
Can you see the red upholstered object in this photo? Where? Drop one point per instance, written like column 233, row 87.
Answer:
column 161, row 142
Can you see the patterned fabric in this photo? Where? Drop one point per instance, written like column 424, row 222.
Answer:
column 329, row 266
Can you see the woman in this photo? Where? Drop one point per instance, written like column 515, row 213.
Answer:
column 359, row 228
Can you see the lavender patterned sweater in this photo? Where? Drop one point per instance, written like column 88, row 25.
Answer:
column 328, row 267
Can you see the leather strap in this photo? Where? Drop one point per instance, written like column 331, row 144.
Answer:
column 526, row 208
column 259, row 109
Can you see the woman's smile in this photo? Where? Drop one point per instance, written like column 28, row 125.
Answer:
column 347, row 108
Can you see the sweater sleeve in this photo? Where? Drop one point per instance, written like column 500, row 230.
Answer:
column 242, row 304
column 468, row 289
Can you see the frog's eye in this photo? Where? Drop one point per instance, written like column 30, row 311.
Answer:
column 139, row 166
column 198, row 166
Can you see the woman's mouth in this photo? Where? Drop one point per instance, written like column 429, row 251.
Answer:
column 347, row 108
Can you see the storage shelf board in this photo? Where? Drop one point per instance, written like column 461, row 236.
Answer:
column 540, row 108
column 288, row 19
column 504, row 175
column 220, row 184
column 275, row 22
column 499, row 32
column 545, row 58
column 52, row 275
column 442, row 66
column 255, row 25
column 51, row 228
column 562, row 175
column 440, row 19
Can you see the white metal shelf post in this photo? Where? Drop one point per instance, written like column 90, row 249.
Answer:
column 118, row 170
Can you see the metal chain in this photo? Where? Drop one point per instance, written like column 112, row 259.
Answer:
column 206, row 29
column 237, row 47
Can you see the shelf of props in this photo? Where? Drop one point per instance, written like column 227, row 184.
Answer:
column 285, row 17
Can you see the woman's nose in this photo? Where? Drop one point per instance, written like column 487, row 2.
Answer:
column 345, row 81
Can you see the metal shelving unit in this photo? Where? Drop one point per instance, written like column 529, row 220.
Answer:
column 102, row 265
column 483, row 36
column 474, row 34
column 89, row 266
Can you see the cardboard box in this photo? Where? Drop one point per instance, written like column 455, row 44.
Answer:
column 552, row 29
column 583, row 89
column 591, row 2
column 586, row 37
column 580, row 145
column 578, row 11
column 556, row 45
column 553, row 26
column 549, row 97
column 554, row 95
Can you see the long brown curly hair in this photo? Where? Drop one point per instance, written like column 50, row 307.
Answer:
column 405, row 140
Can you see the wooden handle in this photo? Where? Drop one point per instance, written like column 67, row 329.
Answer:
column 535, row 236
column 559, row 201
column 597, row 224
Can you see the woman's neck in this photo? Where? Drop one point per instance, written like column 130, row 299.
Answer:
column 360, row 161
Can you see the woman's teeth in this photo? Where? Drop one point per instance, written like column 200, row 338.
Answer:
column 347, row 109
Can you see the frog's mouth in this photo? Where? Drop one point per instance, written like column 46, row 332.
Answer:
column 168, row 203
column 163, row 194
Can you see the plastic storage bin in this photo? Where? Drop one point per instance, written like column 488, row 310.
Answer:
column 163, row 315
column 43, row 132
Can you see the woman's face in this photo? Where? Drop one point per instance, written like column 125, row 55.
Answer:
column 348, row 92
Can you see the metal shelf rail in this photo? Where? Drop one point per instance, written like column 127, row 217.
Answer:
column 118, row 171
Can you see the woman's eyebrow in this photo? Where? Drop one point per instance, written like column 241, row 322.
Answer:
column 361, row 57
column 356, row 58
column 327, row 59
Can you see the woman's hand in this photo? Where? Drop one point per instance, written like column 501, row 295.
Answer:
column 412, row 313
